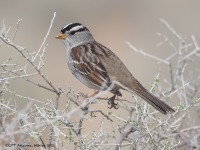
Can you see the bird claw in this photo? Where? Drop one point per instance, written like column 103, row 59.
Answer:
column 111, row 102
column 115, row 106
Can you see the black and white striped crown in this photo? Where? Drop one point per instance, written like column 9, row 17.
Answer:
column 73, row 28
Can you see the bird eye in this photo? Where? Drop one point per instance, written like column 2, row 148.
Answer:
column 72, row 33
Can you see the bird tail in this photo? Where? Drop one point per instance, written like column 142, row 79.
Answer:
column 153, row 100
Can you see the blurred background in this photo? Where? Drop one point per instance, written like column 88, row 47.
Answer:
column 112, row 23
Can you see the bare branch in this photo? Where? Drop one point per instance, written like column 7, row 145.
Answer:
column 45, row 38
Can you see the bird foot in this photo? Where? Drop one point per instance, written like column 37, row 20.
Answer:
column 111, row 102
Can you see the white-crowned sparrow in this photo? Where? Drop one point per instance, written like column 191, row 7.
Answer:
column 99, row 68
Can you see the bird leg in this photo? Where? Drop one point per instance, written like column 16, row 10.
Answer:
column 94, row 94
column 111, row 102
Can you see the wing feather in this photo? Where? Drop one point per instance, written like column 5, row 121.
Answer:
column 86, row 62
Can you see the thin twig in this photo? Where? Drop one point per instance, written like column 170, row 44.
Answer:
column 45, row 38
